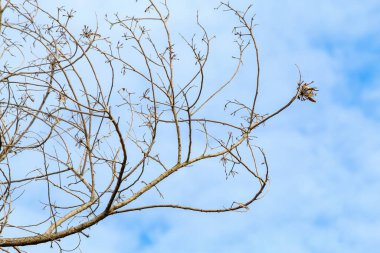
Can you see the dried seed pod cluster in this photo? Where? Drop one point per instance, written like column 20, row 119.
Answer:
column 306, row 92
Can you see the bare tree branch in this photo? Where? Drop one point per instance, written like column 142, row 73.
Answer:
column 89, row 118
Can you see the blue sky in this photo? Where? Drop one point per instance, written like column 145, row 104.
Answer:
column 324, row 158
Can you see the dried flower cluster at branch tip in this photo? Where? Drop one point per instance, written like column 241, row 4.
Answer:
column 306, row 92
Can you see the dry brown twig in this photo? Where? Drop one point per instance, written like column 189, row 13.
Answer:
column 93, row 145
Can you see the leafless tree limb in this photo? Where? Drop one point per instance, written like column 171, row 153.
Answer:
column 84, row 117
